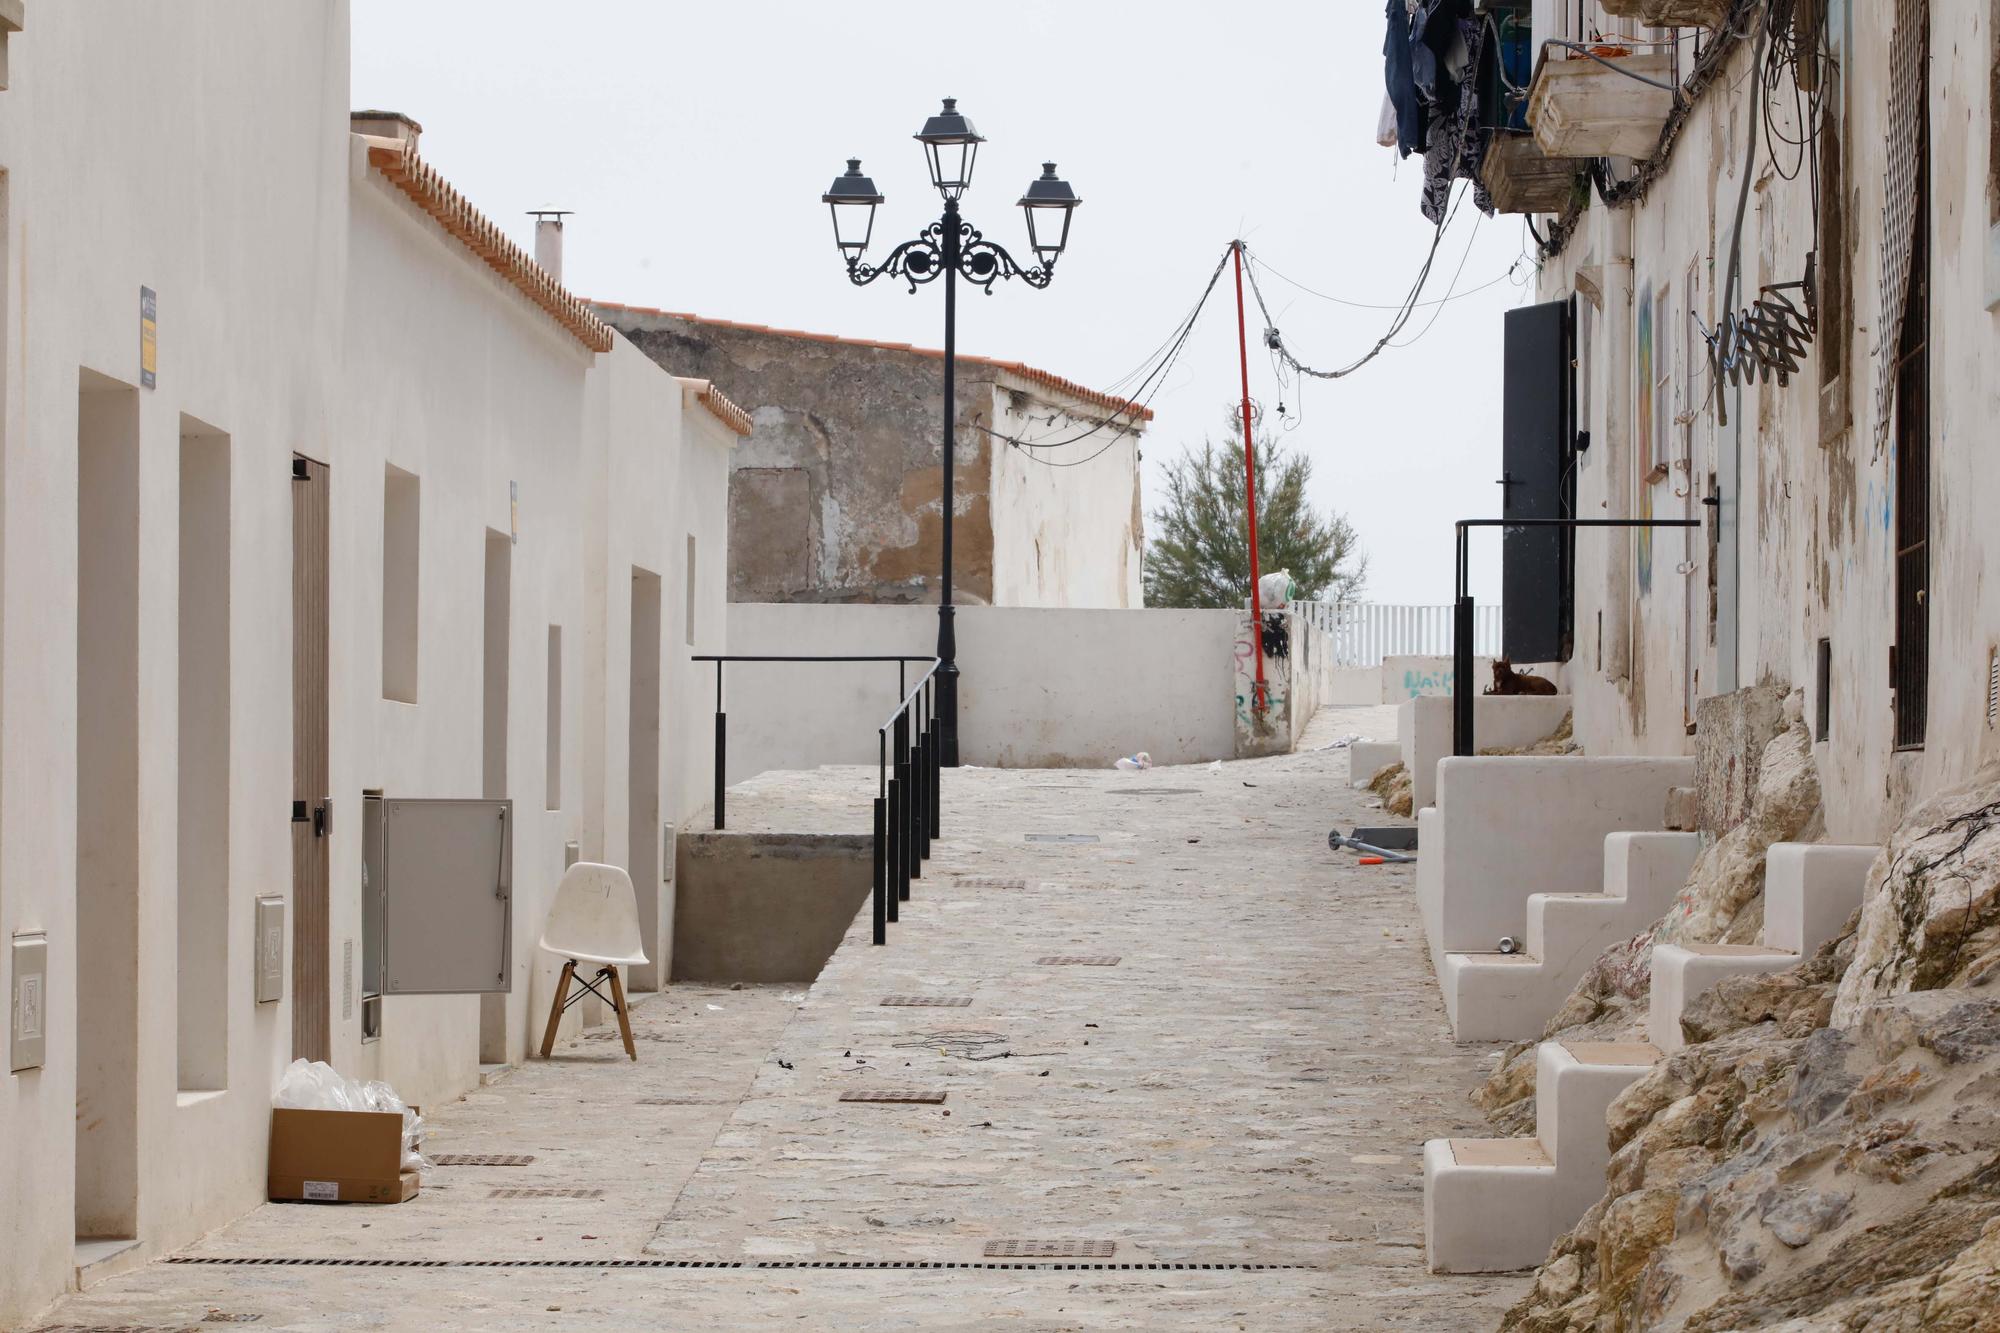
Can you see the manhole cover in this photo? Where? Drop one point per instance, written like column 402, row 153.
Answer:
column 1079, row 960
column 925, row 1001
column 1061, row 837
column 546, row 1194
column 916, row 1096
column 481, row 1159
column 1050, row 1249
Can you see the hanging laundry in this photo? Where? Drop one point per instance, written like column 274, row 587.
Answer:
column 1385, row 124
column 1458, row 138
column 1402, row 87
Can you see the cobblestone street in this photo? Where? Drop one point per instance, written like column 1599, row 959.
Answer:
column 1229, row 1082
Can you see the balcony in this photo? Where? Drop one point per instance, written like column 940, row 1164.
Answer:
column 1523, row 179
column 1669, row 13
column 1580, row 107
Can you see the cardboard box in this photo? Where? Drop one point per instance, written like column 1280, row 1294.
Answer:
column 339, row 1157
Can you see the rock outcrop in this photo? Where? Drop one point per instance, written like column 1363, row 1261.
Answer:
column 1825, row 1153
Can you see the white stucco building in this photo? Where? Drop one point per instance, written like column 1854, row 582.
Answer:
column 312, row 486
column 1847, row 549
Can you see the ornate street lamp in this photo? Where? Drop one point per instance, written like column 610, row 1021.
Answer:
column 950, row 248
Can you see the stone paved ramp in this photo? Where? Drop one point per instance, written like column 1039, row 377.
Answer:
column 1249, row 1085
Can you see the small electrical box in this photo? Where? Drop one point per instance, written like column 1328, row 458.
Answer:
column 270, row 948
column 437, row 896
column 28, row 1024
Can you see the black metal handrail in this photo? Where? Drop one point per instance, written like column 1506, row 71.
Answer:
column 722, row 717
column 1463, row 737
column 907, row 789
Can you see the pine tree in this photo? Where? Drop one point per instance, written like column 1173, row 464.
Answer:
column 1199, row 554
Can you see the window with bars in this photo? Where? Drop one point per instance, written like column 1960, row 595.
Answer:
column 1910, row 670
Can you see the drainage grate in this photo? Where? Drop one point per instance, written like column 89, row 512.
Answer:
column 988, row 882
column 1062, row 837
column 1157, row 791
column 551, row 1193
column 223, row 1317
column 920, row 1096
column 681, row 1101
column 669, row 1264
column 481, row 1159
column 924, row 1001
column 1050, row 1249
column 1079, row 960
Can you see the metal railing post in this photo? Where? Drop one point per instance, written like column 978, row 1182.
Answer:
column 909, row 864
column 937, row 783
column 881, row 880
column 721, row 745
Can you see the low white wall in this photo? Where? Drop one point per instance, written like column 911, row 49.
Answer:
column 1423, row 729
column 1040, row 688
column 1423, row 677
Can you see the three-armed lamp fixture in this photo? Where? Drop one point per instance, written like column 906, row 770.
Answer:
column 950, row 248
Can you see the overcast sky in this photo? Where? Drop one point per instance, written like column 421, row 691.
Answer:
column 694, row 140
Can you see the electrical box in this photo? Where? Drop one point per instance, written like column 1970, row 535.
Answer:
column 437, row 896
column 29, row 1009
column 270, row 949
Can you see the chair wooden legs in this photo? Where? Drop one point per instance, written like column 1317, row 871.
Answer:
column 624, row 1013
column 617, row 1003
column 556, row 1010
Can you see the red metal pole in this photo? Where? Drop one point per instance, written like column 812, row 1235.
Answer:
column 1250, row 485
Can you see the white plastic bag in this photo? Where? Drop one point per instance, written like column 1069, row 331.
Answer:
column 1275, row 589
column 1135, row 763
column 313, row 1085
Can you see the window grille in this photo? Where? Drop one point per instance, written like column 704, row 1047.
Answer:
column 1913, row 466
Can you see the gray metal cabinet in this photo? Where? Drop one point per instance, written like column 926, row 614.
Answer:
column 438, row 900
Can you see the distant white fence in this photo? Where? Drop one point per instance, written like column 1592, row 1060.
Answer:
column 1363, row 633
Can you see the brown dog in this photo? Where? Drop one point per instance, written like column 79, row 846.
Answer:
column 1506, row 680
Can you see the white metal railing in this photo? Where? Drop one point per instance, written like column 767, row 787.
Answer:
column 1363, row 633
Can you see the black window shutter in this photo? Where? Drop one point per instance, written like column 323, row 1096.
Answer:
column 1536, row 434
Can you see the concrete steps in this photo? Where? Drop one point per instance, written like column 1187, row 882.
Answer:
column 1496, row 1205
column 1810, row 889
column 1493, row 996
column 1507, row 827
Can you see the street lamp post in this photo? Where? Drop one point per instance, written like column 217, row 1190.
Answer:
column 950, row 248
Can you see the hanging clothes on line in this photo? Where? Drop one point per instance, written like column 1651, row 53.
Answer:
column 1401, row 80
column 1459, row 136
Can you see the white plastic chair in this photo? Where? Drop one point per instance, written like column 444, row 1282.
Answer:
column 594, row 919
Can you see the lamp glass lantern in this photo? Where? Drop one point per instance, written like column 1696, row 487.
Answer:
column 852, row 200
column 951, row 144
column 1047, row 206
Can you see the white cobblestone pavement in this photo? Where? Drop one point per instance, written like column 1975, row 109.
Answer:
column 1250, row 1084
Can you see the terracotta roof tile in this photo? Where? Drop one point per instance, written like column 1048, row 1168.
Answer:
column 478, row 233
column 1044, row 378
column 705, row 393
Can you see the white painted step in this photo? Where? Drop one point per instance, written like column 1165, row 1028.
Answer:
column 1810, row 889
column 1367, row 758
column 1681, row 972
column 1502, row 997
column 1515, row 826
column 1496, row 1205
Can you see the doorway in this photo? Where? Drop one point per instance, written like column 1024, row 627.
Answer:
column 107, row 809
column 312, row 1037
column 495, row 659
column 642, row 784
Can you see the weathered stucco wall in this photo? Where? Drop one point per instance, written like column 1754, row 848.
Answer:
column 835, row 495
column 1068, row 527
column 1807, row 499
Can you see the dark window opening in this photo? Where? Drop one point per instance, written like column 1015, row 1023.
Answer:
column 1913, row 470
column 1823, row 692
